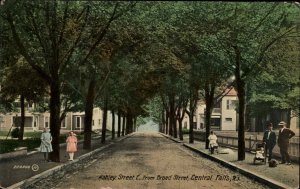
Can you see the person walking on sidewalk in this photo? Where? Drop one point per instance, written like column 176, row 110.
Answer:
column 212, row 142
column 283, row 142
column 46, row 145
column 71, row 145
column 270, row 140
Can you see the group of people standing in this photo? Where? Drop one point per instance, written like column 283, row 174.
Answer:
column 46, row 146
column 283, row 141
column 269, row 139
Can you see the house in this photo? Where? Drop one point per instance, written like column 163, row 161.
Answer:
column 223, row 117
column 36, row 121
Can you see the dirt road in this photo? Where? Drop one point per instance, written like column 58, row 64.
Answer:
column 148, row 160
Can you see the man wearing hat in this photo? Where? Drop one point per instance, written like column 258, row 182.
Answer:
column 270, row 140
column 283, row 142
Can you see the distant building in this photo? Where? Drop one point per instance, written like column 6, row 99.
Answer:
column 34, row 121
column 223, row 117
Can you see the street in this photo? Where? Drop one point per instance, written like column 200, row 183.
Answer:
column 148, row 160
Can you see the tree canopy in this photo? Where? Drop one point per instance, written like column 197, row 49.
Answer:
column 123, row 55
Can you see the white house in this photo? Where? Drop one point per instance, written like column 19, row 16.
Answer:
column 224, row 115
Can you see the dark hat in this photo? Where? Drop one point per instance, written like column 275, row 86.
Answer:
column 282, row 123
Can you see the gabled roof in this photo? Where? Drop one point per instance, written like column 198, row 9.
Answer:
column 230, row 92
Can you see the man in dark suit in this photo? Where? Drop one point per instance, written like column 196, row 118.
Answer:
column 270, row 140
column 283, row 142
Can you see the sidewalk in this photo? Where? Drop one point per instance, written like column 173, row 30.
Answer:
column 282, row 176
column 18, row 169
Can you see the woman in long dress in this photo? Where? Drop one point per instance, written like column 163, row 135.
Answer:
column 71, row 145
column 46, row 145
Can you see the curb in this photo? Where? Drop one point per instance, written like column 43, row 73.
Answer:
column 171, row 138
column 47, row 173
column 259, row 178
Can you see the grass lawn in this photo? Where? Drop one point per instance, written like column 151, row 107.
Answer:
column 31, row 134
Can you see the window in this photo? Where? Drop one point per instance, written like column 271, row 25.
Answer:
column 230, row 104
column 29, row 105
column 194, row 125
column 78, row 122
column 99, row 121
column 63, row 123
column 36, row 120
column 215, row 122
column 185, row 125
column 46, row 122
column 229, row 119
column 1, row 120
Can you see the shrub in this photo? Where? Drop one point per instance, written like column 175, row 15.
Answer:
column 31, row 143
column 15, row 133
column 185, row 131
column 8, row 145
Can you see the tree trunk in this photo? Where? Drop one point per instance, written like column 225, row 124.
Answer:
column 89, row 105
column 163, row 121
column 104, row 121
column 207, row 125
column 129, row 124
column 209, row 100
column 174, row 120
column 171, row 115
column 134, row 124
column 180, row 129
column 113, row 125
column 241, row 126
column 241, row 110
column 123, row 125
column 191, row 131
column 175, row 127
column 173, row 130
column 167, row 122
column 22, row 125
column 54, row 119
column 119, row 124
column 180, row 118
column 193, row 102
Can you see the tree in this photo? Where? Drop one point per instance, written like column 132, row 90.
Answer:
column 247, row 31
column 277, row 87
column 21, row 81
column 53, row 33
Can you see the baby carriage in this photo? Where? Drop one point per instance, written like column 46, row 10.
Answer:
column 260, row 153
